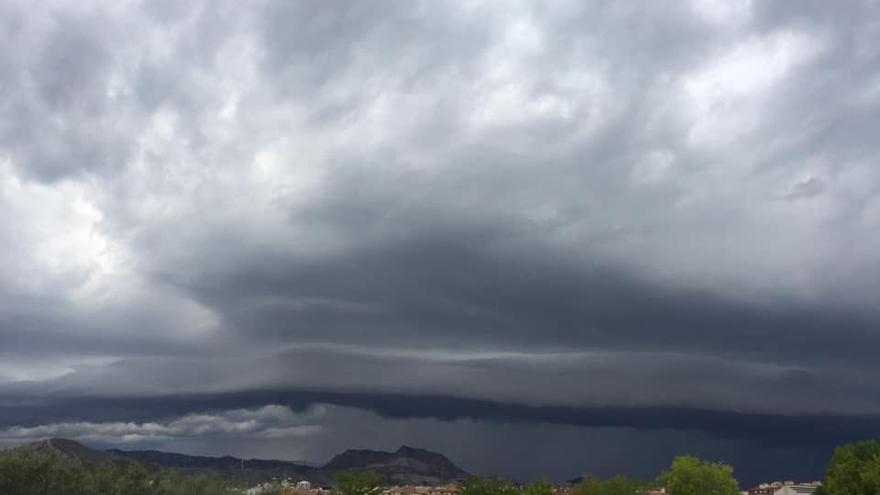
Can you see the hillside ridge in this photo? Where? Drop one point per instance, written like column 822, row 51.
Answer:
column 406, row 465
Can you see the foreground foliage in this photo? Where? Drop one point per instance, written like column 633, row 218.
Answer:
column 32, row 473
column 619, row 485
column 686, row 476
column 494, row 485
column 358, row 483
column 689, row 475
column 854, row 470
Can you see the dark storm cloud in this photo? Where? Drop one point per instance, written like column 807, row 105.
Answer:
column 452, row 289
column 592, row 215
column 766, row 430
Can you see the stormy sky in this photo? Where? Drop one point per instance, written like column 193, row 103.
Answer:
column 542, row 238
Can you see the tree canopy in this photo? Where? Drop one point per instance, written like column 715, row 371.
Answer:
column 539, row 488
column 358, row 483
column 854, row 470
column 493, row 485
column 33, row 473
column 614, row 486
column 689, row 475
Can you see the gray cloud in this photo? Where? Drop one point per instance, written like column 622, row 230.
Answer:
column 570, row 205
column 270, row 421
column 805, row 188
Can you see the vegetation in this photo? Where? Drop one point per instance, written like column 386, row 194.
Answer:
column 539, row 488
column 689, row 475
column 358, row 483
column 854, row 470
column 478, row 485
column 493, row 485
column 614, row 486
column 33, row 473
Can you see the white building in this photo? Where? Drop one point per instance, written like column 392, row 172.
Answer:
column 798, row 489
column 304, row 485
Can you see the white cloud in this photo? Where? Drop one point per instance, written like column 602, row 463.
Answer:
column 727, row 94
column 271, row 421
column 723, row 14
column 54, row 240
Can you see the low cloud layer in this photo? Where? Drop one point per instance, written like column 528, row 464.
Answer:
column 270, row 421
column 581, row 205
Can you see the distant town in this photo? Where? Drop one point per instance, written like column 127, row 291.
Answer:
column 304, row 487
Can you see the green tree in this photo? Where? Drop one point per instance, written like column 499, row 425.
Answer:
column 614, row 486
column 493, row 485
column 621, row 486
column 587, row 486
column 358, row 483
column 171, row 483
column 133, row 479
column 854, row 469
column 541, row 487
column 32, row 473
column 690, row 476
column 41, row 473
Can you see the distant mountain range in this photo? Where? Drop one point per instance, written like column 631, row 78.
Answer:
column 405, row 466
